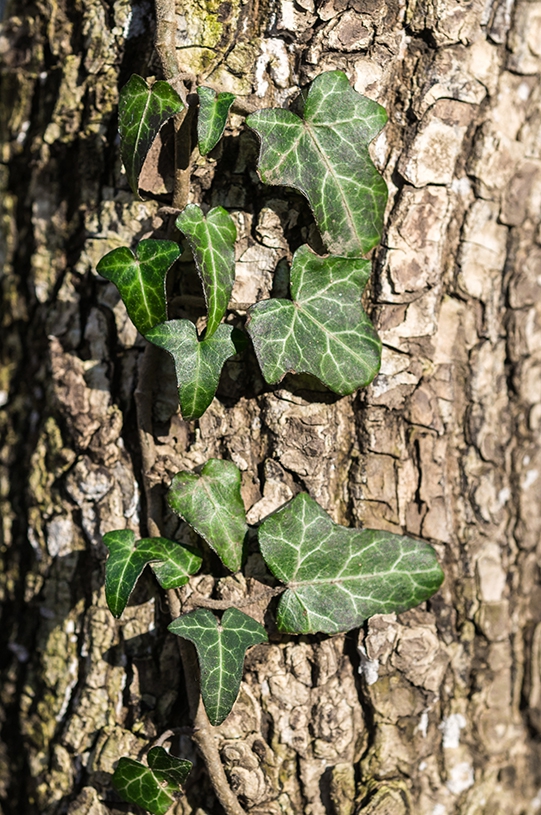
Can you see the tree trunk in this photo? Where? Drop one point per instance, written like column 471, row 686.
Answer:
column 433, row 712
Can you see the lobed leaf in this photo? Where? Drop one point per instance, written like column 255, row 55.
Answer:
column 138, row 785
column 198, row 363
column 336, row 577
column 212, row 241
column 127, row 559
column 325, row 156
column 220, row 649
column 140, row 279
column 212, row 119
column 163, row 764
column 142, row 110
column 212, row 504
column 323, row 330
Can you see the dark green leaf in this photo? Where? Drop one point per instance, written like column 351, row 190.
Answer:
column 221, row 649
column 325, row 156
column 175, row 770
column 212, row 118
column 337, row 577
column 177, row 564
column 140, row 279
column 211, row 503
column 141, row 113
column 198, row 363
column 324, row 331
column 127, row 560
column 212, row 241
column 138, row 785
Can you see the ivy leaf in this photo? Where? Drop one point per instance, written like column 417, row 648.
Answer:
column 212, row 118
column 323, row 330
column 221, row 649
column 142, row 110
column 336, row 577
column 198, row 363
column 173, row 769
column 212, row 504
column 177, row 564
column 140, row 279
column 127, row 560
column 138, row 785
column 212, row 241
column 325, row 156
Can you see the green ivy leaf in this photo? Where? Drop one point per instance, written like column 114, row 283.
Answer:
column 325, row 156
column 212, row 504
column 212, row 118
column 198, row 363
column 336, row 577
column 173, row 769
column 140, row 279
column 138, row 785
column 127, row 560
column 212, row 241
column 221, row 649
column 177, row 564
column 142, row 110
column 324, row 330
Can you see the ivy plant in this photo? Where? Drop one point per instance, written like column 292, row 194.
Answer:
column 327, row 578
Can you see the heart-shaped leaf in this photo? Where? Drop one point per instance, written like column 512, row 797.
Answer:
column 212, row 118
column 325, row 156
column 127, row 559
column 324, row 330
column 173, row 769
column 140, row 279
column 211, row 503
column 138, row 785
column 212, row 241
column 142, row 110
column 198, row 363
column 336, row 577
column 221, row 649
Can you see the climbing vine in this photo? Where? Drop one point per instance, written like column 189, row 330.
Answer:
column 319, row 577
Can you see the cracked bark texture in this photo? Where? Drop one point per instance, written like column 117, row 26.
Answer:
column 433, row 712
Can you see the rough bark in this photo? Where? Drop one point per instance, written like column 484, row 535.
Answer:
column 431, row 713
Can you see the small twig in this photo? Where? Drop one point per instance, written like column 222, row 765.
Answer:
column 173, row 731
column 199, row 601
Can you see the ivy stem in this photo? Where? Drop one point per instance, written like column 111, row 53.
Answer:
column 203, row 732
column 199, row 601
column 166, row 47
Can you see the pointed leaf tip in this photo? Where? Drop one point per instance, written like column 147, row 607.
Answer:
column 212, row 241
column 212, row 118
column 198, row 363
column 221, row 649
column 336, row 577
column 140, row 279
column 127, row 559
column 323, row 330
column 142, row 110
column 212, row 504
column 325, row 156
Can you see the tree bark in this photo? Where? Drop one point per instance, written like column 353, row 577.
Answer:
column 433, row 712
